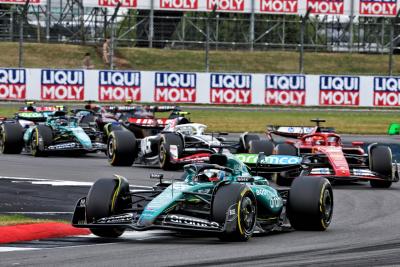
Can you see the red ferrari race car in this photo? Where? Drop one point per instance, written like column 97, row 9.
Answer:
column 324, row 154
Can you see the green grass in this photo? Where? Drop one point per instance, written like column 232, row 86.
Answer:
column 17, row 219
column 70, row 56
column 236, row 120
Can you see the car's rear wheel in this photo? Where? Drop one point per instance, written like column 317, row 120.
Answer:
column 171, row 145
column 122, row 148
column 11, row 138
column 106, row 197
column 257, row 146
column 287, row 150
column 238, row 201
column 381, row 162
column 245, row 142
column 310, row 203
column 43, row 132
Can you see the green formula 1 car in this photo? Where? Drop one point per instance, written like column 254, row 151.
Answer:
column 220, row 198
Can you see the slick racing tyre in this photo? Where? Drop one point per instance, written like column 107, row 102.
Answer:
column 165, row 153
column 11, row 138
column 286, row 149
column 257, row 146
column 310, row 203
column 244, row 143
column 122, row 148
column 106, row 197
column 239, row 201
column 42, row 136
column 381, row 162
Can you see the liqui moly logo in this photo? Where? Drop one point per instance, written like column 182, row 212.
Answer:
column 230, row 89
column 327, row 7
column 119, row 86
column 175, row 87
column 339, row 90
column 179, row 4
column 62, row 85
column 114, row 3
column 387, row 91
column 226, row 5
column 378, row 7
column 279, row 6
column 285, row 90
column 12, row 84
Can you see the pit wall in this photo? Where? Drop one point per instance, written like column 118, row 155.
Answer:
column 202, row 88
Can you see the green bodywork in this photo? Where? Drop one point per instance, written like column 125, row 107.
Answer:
column 269, row 201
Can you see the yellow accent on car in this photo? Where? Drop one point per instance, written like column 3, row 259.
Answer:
column 116, row 192
column 320, row 205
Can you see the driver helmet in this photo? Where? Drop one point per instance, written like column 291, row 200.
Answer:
column 318, row 140
column 62, row 121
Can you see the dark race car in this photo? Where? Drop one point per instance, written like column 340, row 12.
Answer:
column 220, row 198
column 323, row 153
column 58, row 133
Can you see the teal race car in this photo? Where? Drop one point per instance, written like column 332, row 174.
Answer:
column 55, row 132
column 220, row 198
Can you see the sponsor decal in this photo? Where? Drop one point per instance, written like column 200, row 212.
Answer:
column 175, row 87
column 63, row 146
column 273, row 159
column 279, row 6
column 378, row 7
column 226, row 5
column 62, row 85
column 295, row 129
column 244, row 179
column 230, row 89
column 119, row 86
column 13, row 84
column 326, row 7
column 114, row 3
column 386, row 91
column 339, row 90
column 285, row 90
column 190, row 221
column 123, row 218
column 179, row 4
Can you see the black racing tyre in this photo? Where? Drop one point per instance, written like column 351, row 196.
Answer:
column 257, row 146
column 240, row 198
column 106, row 197
column 42, row 136
column 11, row 138
column 286, row 149
column 381, row 162
column 122, row 148
column 164, row 153
column 245, row 142
column 90, row 118
column 310, row 203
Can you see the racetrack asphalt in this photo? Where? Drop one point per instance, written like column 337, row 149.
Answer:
column 364, row 230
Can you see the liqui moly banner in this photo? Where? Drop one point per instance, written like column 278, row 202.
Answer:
column 230, row 89
column 279, row 6
column 119, row 86
column 326, row 7
column 179, row 4
column 339, row 90
column 285, row 90
column 62, row 85
column 386, row 91
column 23, row 2
column 173, row 87
column 385, row 8
column 12, row 84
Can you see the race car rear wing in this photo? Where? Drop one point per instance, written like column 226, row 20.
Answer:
column 148, row 108
column 297, row 131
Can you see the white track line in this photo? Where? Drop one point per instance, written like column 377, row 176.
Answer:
column 9, row 249
column 38, row 212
